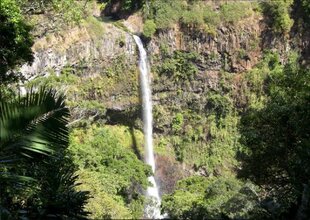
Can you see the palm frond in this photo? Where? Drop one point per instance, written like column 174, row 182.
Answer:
column 34, row 124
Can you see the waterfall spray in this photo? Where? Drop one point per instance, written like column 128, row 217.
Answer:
column 152, row 210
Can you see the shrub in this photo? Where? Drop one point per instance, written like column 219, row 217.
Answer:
column 180, row 66
column 195, row 15
column 212, row 20
column 177, row 122
column 279, row 14
column 306, row 6
column 198, row 197
column 232, row 12
column 110, row 170
column 219, row 104
column 165, row 13
column 70, row 10
column 149, row 28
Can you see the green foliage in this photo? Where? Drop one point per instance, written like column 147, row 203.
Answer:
column 128, row 5
column 177, row 122
column 197, row 14
column 276, row 137
column 15, row 40
column 222, row 134
column 188, row 194
column 149, row 28
column 165, row 13
column 212, row 198
column 58, row 194
column 125, row 6
column 21, row 120
column 212, row 20
column 180, row 66
column 34, row 6
column 209, row 140
column 94, row 26
column 232, row 12
column 219, row 104
column 204, row 134
column 110, row 171
column 201, row 16
column 67, row 11
column 302, row 14
column 32, row 128
column 279, row 14
column 194, row 15
column 306, row 7
column 70, row 10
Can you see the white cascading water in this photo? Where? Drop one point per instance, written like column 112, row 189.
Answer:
column 153, row 209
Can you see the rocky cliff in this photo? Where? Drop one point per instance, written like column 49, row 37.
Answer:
column 232, row 48
column 89, row 44
column 99, row 56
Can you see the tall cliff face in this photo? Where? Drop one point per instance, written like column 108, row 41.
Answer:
column 91, row 45
column 95, row 65
column 234, row 48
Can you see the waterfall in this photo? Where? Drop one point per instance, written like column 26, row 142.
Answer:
column 153, row 209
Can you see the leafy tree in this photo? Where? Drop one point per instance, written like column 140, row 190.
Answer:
column 276, row 139
column 212, row 198
column 110, row 170
column 58, row 195
column 304, row 13
column 15, row 40
column 180, row 66
column 278, row 13
column 149, row 28
column 34, row 124
column 165, row 13
column 196, row 15
column 219, row 104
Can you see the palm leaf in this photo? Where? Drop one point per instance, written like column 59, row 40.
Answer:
column 34, row 124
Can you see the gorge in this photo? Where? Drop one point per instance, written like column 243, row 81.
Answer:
column 195, row 109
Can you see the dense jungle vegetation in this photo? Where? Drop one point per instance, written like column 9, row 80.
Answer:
column 238, row 150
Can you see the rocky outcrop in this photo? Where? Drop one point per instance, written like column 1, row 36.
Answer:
column 234, row 48
column 79, row 45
